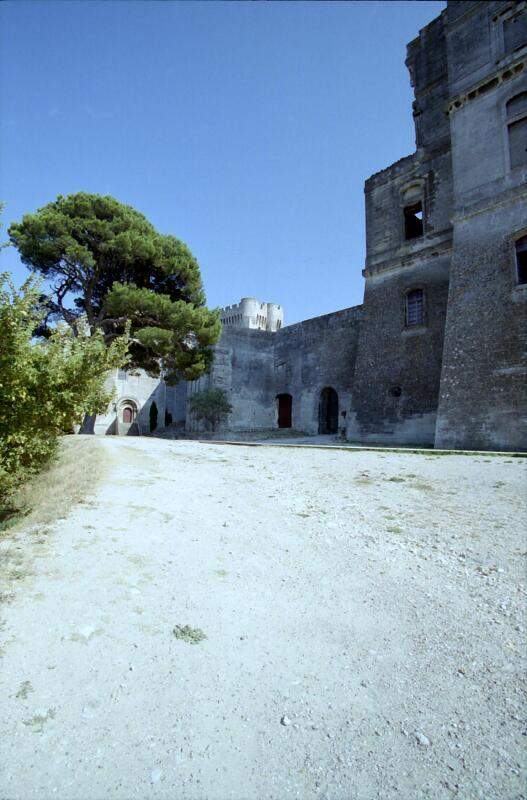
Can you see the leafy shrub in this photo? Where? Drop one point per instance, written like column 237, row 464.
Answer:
column 210, row 405
column 45, row 387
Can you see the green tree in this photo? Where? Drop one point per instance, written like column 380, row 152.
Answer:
column 104, row 261
column 45, row 386
column 210, row 405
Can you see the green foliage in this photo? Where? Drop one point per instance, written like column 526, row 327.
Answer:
column 210, row 405
column 106, row 262
column 47, row 386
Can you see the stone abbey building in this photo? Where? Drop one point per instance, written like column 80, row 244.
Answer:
column 435, row 355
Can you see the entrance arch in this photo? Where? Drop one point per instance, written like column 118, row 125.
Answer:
column 285, row 410
column 126, row 422
column 153, row 414
column 328, row 411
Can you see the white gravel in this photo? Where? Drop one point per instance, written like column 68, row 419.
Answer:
column 363, row 623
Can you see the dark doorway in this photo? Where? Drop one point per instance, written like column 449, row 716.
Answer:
column 153, row 417
column 285, row 407
column 328, row 411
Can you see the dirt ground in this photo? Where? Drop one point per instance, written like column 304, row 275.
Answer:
column 268, row 622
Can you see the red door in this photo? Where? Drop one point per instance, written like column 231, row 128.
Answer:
column 285, row 407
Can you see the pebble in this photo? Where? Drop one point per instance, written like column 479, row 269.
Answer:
column 422, row 739
column 285, row 721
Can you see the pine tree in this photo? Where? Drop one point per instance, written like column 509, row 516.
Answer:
column 104, row 260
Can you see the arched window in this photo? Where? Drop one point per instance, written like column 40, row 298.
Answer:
column 517, row 129
column 521, row 260
column 415, row 308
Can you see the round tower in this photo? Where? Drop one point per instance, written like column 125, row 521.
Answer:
column 275, row 317
column 250, row 308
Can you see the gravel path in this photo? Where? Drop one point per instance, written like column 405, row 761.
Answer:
column 363, row 623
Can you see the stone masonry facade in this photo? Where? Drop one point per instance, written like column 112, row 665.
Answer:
column 435, row 355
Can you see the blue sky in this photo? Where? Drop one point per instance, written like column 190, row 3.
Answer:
column 246, row 129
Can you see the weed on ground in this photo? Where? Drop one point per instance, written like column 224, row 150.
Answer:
column 188, row 634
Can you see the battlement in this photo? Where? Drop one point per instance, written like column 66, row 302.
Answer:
column 253, row 314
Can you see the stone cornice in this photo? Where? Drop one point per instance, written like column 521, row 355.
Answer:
column 486, row 85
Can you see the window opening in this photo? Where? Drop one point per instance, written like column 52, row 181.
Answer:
column 415, row 308
column 517, row 129
column 413, row 221
column 515, row 31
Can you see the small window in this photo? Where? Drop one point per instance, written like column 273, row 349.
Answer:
column 395, row 391
column 413, row 221
column 415, row 308
column 521, row 260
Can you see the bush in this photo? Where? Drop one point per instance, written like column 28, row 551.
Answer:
column 45, row 387
column 210, row 405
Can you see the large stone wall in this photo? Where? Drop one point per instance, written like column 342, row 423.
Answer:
column 313, row 355
column 243, row 368
column 483, row 401
column 253, row 367
column 462, row 374
column 398, row 368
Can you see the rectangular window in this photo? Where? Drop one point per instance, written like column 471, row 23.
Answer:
column 518, row 143
column 521, row 260
column 415, row 312
column 413, row 221
column 515, row 31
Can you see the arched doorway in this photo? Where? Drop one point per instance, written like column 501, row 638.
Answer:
column 153, row 416
column 328, row 411
column 128, row 415
column 285, row 410
column 126, row 423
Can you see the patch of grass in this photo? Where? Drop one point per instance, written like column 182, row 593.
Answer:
column 38, row 720
column 394, row 529
column 188, row 634
column 396, row 479
column 221, row 573
column 24, row 690
column 69, row 479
